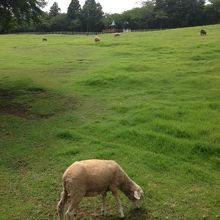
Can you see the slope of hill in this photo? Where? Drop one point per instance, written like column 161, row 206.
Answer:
column 150, row 101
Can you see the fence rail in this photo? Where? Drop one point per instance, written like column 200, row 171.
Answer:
column 80, row 33
column 58, row 32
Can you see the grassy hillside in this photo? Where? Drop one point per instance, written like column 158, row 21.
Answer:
column 150, row 101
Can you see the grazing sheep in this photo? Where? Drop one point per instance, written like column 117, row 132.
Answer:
column 203, row 32
column 97, row 39
column 93, row 177
column 117, row 34
column 44, row 39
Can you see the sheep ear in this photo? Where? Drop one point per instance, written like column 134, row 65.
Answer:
column 137, row 195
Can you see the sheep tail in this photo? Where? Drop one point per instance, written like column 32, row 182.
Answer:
column 61, row 204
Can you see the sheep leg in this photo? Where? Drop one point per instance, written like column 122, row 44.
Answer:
column 103, row 209
column 61, row 204
column 118, row 201
column 71, row 211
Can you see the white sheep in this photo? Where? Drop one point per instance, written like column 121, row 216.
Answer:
column 97, row 39
column 93, row 177
column 117, row 34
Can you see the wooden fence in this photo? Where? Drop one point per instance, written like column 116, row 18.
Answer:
column 84, row 33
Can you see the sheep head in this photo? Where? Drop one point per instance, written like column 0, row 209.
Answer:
column 138, row 197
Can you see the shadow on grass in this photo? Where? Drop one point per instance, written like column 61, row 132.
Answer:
column 138, row 214
column 134, row 214
column 33, row 102
column 89, row 212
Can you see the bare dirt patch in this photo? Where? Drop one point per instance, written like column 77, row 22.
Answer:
column 9, row 107
column 7, row 94
column 33, row 103
column 17, row 110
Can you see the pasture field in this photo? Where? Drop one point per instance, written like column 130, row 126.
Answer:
column 150, row 101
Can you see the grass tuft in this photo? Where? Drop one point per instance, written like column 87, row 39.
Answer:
column 70, row 136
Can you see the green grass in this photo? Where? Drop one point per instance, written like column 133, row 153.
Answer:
column 150, row 101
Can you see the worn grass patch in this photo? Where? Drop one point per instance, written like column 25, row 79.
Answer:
column 33, row 103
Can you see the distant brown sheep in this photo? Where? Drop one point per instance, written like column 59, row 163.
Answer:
column 203, row 32
column 44, row 39
column 97, row 39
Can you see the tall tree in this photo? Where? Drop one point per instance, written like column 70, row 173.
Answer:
column 22, row 10
column 160, row 5
column 216, row 4
column 92, row 16
column 180, row 13
column 74, row 9
column 54, row 10
column 212, row 12
column 74, row 16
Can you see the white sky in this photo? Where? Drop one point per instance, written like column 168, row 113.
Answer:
column 108, row 6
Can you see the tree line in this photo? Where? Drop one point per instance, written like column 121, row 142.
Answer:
column 161, row 14
column 27, row 15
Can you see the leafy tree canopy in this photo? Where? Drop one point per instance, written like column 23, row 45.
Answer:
column 74, row 9
column 92, row 15
column 19, row 10
column 54, row 10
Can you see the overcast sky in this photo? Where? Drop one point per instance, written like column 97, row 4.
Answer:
column 109, row 6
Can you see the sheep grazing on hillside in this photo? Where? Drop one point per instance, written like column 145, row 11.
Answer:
column 203, row 32
column 44, row 39
column 89, row 178
column 97, row 39
column 117, row 34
